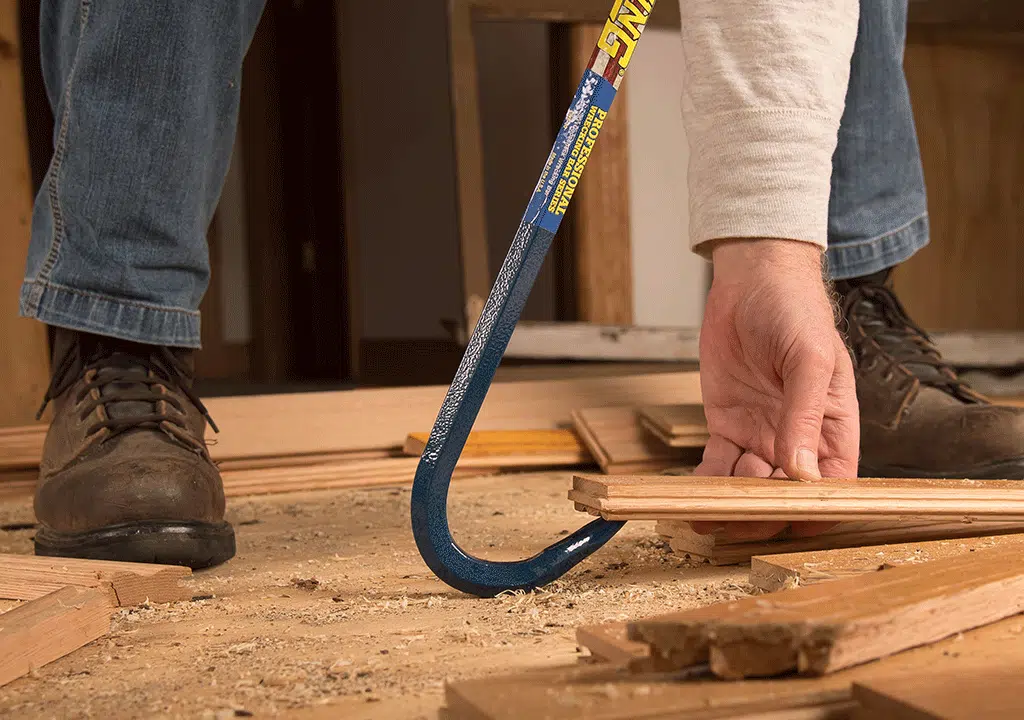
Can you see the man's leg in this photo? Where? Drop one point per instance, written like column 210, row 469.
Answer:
column 145, row 97
column 917, row 418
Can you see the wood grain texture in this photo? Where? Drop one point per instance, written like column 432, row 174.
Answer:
column 981, row 690
column 610, row 642
column 777, row 572
column 620, row 444
column 469, row 160
column 968, row 98
column 513, row 448
column 604, row 268
column 26, row 577
column 608, row 693
column 818, row 629
column 43, row 630
column 380, row 419
column 726, row 499
column 682, row 539
column 677, row 420
column 24, row 352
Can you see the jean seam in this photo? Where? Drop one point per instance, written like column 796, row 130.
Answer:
column 47, row 284
column 59, row 152
column 879, row 238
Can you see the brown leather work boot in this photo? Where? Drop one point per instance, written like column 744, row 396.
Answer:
column 125, row 473
column 918, row 419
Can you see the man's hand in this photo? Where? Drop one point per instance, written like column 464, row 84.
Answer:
column 777, row 380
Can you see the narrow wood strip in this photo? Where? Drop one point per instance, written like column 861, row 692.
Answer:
column 694, row 440
column 27, row 577
column 675, row 420
column 776, row 572
column 756, row 499
column 978, row 691
column 819, row 629
column 620, row 444
column 513, row 448
column 682, row 539
column 52, row 626
column 610, row 643
column 611, row 694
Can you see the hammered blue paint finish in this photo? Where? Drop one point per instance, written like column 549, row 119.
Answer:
column 476, row 371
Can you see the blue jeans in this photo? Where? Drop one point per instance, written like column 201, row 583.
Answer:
column 878, row 213
column 145, row 97
column 146, row 94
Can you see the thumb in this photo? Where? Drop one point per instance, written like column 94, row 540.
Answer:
column 805, row 385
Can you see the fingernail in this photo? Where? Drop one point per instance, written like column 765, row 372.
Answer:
column 807, row 464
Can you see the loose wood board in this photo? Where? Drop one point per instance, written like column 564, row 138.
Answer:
column 677, row 424
column 819, row 629
column 610, row 643
column 757, row 499
column 777, row 572
column 620, row 444
column 43, row 630
column 513, row 448
column 718, row 551
column 607, row 693
column 27, row 577
column 977, row 691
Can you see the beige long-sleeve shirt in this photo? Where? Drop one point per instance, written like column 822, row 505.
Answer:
column 765, row 86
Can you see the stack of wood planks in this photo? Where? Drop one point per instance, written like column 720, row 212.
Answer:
column 359, row 438
column 69, row 603
column 885, row 631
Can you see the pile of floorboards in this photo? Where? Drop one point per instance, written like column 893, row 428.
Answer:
column 919, row 630
column 68, row 603
column 360, row 438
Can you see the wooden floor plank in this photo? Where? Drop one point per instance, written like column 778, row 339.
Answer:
column 719, row 551
column 610, row 643
column 43, row 630
column 604, row 693
column 762, row 499
column 620, row 444
column 514, row 448
column 27, row 577
column 975, row 692
column 777, row 572
column 819, row 629
column 677, row 425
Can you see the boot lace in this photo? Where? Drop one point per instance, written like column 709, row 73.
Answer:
column 127, row 377
column 881, row 315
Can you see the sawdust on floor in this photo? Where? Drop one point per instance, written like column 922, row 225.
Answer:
column 328, row 611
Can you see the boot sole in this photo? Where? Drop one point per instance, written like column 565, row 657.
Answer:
column 196, row 544
column 1012, row 469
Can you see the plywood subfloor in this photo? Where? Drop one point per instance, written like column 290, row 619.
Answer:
column 378, row 636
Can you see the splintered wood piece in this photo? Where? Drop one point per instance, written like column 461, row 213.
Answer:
column 760, row 499
column 975, row 692
column 776, row 572
column 513, row 448
column 609, row 693
column 620, row 444
column 610, row 642
column 379, row 419
column 677, row 425
column 27, row 577
column 822, row 628
column 683, row 540
column 50, row 627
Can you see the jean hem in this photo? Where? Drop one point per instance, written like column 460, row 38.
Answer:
column 856, row 258
column 104, row 315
